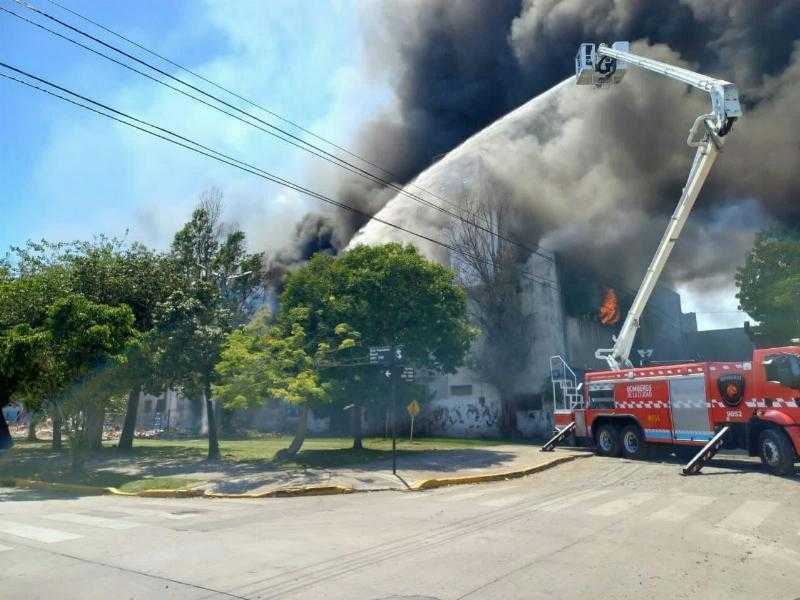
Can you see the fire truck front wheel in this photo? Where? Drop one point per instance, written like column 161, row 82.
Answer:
column 607, row 440
column 776, row 451
column 633, row 443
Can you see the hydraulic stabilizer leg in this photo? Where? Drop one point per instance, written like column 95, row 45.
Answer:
column 706, row 454
column 558, row 438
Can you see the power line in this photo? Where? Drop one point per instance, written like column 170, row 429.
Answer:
column 294, row 140
column 347, row 166
column 205, row 150
column 199, row 148
column 240, row 97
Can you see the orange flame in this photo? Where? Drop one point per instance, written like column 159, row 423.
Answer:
column 608, row 313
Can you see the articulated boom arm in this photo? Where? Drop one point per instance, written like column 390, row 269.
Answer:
column 602, row 66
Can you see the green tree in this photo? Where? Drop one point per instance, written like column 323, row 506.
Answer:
column 261, row 361
column 20, row 349
column 88, row 341
column 220, row 287
column 769, row 286
column 191, row 328
column 106, row 271
column 31, row 283
column 391, row 295
column 115, row 273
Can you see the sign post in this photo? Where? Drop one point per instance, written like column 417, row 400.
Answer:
column 392, row 358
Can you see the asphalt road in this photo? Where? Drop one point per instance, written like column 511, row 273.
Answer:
column 593, row 528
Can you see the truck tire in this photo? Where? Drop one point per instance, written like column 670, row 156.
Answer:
column 634, row 446
column 776, row 451
column 607, row 441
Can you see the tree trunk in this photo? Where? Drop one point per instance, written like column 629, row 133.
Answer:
column 57, row 444
column 32, row 422
column 357, row 445
column 95, row 419
column 300, row 432
column 78, row 448
column 508, row 423
column 129, row 427
column 196, row 410
column 6, row 440
column 213, row 432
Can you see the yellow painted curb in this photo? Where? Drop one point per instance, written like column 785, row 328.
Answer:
column 60, row 487
column 310, row 490
column 429, row 484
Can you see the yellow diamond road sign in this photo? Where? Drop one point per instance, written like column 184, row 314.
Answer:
column 413, row 408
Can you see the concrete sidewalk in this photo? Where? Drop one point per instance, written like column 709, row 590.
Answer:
column 495, row 462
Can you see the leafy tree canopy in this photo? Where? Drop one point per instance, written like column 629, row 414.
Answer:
column 769, row 286
column 264, row 361
column 390, row 294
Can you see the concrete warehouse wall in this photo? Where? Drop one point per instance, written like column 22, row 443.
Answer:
column 535, row 423
column 463, row 417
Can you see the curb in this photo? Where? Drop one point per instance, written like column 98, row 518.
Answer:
column 88, row 490
column 293, row 492
column 311, row 490
column 33, row 484
column 429, row 484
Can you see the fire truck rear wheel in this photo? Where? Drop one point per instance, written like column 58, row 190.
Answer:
column 633, row 443
column 607, row 441
column 776, row 451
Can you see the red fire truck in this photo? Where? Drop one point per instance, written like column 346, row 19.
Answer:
column 698, row 407
column 756, row 403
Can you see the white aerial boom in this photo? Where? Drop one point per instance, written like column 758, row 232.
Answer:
column 601, row 66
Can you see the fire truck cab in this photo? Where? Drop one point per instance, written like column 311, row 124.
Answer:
column 627, row 411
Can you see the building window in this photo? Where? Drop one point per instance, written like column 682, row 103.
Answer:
column 161, row 404
column 461, row 390
column 148, row 406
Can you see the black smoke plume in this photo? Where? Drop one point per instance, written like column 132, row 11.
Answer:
column 594, row 172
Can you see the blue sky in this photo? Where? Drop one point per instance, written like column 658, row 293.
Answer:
column 69, row 174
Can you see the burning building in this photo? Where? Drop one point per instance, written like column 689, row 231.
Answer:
column 589, row 186
column 572, row 310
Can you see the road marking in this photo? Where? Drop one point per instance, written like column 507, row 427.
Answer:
column 749, row 515
column 500, row 502
column 5, row 548
column 616, row 507
column 149, row 512
column 92, row 521
column 568, row 501
column 39, row 534
column 683, row 506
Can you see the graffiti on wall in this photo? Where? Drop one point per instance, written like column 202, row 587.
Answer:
column 463, row 416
